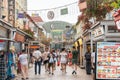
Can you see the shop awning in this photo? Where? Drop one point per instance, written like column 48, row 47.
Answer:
column 6, row 39
column 80, row 41
column 76, row 44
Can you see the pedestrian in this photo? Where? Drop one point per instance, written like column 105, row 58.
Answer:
column 74, row 60
column 23, row 58
column 11, row 62
column 45, row 58
column 69, row 58
column 93, row 64
column 38, row 60
column 51, row 59
column 55, row 58
column 58, row 57
column 63, row 60
column 88, row 62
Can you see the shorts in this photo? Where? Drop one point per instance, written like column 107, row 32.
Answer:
column 46, row 61
column 74, row 61
column 50, row 65
column 94, row 69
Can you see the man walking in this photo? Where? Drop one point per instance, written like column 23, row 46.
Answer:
column 88, row 62
column 38, row 60
column 93, row 64
column 74, row 60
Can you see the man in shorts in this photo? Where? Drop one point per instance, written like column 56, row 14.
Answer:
column 74, row 60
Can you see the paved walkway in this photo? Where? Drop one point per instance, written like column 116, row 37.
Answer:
column 58, row 75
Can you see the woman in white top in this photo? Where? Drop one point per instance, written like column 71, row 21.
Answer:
column 63, row 60
column 24, row 65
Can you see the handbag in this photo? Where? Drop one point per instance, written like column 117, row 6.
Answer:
column 58, row 63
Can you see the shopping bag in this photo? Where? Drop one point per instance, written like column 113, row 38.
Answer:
column 58, row 63
column 70, row 63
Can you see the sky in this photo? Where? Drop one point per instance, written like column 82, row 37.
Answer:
column 49, row 4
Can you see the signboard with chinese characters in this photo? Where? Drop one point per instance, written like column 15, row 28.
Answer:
column 108, row 61
column 116, row 16
column 98, row 31
column 19, row 37
column 11, row 11
column 3, row 32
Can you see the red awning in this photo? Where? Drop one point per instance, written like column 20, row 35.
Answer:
column 1, row 40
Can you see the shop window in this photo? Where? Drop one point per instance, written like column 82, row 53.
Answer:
column 113, row 29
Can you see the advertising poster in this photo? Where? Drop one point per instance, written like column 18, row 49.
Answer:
column 108, row 61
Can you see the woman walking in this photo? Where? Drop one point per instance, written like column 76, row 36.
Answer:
column 24, row 65
column 63, row 60
column 51, row 66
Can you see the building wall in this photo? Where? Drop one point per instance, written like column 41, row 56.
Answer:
column 79, row 30
column 5, row 10
column 21, row 7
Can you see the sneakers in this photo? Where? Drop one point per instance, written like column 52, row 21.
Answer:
column 22, row 78
column 27, row 78
column 52, row 73
column 74, row 72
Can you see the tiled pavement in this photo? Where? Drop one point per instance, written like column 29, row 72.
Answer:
column 58, row 75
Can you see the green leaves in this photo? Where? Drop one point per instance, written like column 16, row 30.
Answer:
column 116, row 4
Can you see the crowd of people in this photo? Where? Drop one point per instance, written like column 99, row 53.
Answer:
column 53, row 58
column 50, row 59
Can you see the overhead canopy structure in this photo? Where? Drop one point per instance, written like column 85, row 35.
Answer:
column 56, row 25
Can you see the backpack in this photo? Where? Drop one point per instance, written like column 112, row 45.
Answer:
column 88, row 56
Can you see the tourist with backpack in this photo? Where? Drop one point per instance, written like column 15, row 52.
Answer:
column 88, row 62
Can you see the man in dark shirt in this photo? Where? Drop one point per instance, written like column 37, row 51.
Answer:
column 74, row 60
column 88, row 62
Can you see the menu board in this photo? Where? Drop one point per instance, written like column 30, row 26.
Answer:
column 108, row 61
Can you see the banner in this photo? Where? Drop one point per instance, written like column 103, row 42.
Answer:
column 116, row 16
column 21, row 15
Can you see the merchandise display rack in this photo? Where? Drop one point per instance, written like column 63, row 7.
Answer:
column 2, row 69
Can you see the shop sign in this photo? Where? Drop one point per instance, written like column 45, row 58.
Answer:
column 50, row 15
column 116, row 16
column 98, row 31
column 19, row 37
column 3, row 32
column 11, row 11
column 87, row 37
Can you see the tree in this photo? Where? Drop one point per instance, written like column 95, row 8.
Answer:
column 45, row 40
column 97, row 9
